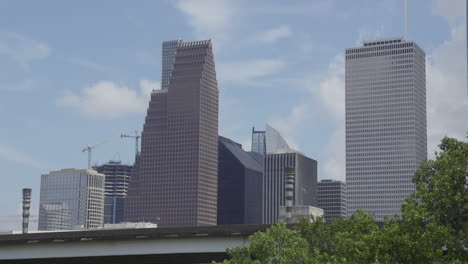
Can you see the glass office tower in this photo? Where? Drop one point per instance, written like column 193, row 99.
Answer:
column 71, row 199
column 386, row 136
column 239, row 185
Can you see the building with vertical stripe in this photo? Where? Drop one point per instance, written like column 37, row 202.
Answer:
column 305, row 186
column 386, row 136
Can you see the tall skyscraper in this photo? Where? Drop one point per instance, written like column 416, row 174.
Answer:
column 331, row 197
column 176, row 175
column 268, row 141
column 71, row 199
column 305, row 186
column 386, row 136
column 239, row 185
column 116, row 188
column 169, row 49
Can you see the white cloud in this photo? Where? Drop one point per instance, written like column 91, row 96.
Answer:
column 108, row 100
column 451, row 10
column 11, row 154
column 334, row 166
column 292, row 124
column 22, row 49
column 272, row 35
column 242, row 71
column 209, row 18
column 447, row 106
column 325, row 98
column 332, row 88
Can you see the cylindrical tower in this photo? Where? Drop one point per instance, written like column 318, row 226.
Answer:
column 289, row 175
column 26, row 207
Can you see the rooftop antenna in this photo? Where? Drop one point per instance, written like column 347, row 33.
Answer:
column 405, row 23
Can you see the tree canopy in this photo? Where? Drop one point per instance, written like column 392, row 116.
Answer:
column 433, row 226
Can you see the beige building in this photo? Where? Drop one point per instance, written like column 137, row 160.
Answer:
column 71, row 199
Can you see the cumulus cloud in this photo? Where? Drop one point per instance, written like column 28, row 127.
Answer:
column 272, row 35
column 451, row 10
column 22, row 49
column 447, row 106
column 243, row 71
column 209, row 18
column 108, row 100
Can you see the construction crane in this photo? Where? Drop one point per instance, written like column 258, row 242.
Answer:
column 89, row 148
column 136, row 137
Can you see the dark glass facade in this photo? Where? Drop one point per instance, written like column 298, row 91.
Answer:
column 175, row 182
column 239, row 185
column 116, row 188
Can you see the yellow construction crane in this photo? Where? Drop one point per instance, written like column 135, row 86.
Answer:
column 89, row 148
column 136, row 137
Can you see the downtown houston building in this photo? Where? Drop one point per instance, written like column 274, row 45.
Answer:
column 386, row 134
column 174, row 182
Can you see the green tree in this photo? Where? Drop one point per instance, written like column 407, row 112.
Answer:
column 441, row 189
column 278, row 245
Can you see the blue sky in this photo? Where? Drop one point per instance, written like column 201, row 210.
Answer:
column 74, row 73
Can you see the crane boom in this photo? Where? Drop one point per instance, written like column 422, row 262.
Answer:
column 89, row 148
column 136, row 137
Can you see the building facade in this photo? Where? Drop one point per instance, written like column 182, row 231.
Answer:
column 305, row 186
column 386, row 136
column 169, row 49
column 116, row 188
column 331, row 197
column 176, row 176
column 71, row 199
column 240, row 179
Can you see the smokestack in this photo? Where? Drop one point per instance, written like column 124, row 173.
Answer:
column 26, row 207
column 289, row 174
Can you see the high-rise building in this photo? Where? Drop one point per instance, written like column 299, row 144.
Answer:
column 116, row 187
column 176, row 175
column 169, row 49
column 71, row 199
column 268, row 141
column 239, row 185
column 331, row 197
column 386, row 136
column 305, row 186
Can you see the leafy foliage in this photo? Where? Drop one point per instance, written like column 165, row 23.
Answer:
column 433, row 219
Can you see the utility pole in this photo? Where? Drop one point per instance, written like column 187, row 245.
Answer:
column 136, row 137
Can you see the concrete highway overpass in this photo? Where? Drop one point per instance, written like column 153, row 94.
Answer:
column 119, row 246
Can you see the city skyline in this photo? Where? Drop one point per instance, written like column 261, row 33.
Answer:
column 72, row 99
